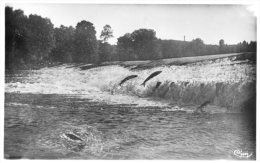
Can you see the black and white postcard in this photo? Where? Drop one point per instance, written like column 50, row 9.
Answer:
column 129, row 81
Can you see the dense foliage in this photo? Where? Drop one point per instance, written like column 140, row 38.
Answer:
column 63, row 50
column 32, row 41
column 29, row 40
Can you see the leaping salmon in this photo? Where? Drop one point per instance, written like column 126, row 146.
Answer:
column 151, row 76
column 200, row 108
column 157, row 85
column 127, row 78
column 73, row 137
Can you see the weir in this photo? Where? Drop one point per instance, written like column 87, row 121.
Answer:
column 231, row 96
column 227, row 82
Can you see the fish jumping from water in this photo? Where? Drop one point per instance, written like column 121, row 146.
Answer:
column 151, row 76
column 127, row 78
column 157, row 85
column 199, row 109
column 73, row 142
column 72, row 137
column 186, row 83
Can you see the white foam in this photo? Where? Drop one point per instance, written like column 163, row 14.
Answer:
column 101, row 83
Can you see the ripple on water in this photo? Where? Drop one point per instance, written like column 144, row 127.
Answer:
column 55, row 140
column 113, row 134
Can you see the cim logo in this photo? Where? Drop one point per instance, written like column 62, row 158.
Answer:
column 239, row 153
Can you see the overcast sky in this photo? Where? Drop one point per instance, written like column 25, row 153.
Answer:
column 233, row 23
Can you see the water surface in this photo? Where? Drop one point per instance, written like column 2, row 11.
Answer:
column 70, row 112
column 35, row 124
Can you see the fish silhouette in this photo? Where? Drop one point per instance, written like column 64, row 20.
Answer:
column 127, row 78
column 151, row 76
column 199, row 109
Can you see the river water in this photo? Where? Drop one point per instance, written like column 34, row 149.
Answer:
column 44, row 108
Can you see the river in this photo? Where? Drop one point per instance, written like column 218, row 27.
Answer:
column 45, row 108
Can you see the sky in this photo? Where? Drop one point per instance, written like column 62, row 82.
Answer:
column 233, row 23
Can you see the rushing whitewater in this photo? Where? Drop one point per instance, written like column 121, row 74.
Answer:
column 81, row 112
column 227, row 82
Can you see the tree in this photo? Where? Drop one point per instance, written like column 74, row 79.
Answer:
column 221, row 43
column 64, row 49
column 40, row 38
column 106, row 33
column 244, row 46
column 252, row 46
column 125, row 48
column 221, row 46
column 29, row 40
column 106, row 51
column 172, row 48
column 15, row 34
column 197, row 47
column 144, row 43
column 140, row 44
column 85, row 43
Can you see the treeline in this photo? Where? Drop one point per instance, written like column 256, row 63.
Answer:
column 32, row 41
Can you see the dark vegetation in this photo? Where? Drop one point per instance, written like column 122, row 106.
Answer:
column 33, row 42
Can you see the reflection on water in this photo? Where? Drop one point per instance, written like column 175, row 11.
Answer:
column 35, row 125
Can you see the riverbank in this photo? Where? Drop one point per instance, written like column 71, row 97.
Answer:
column 146, row 64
